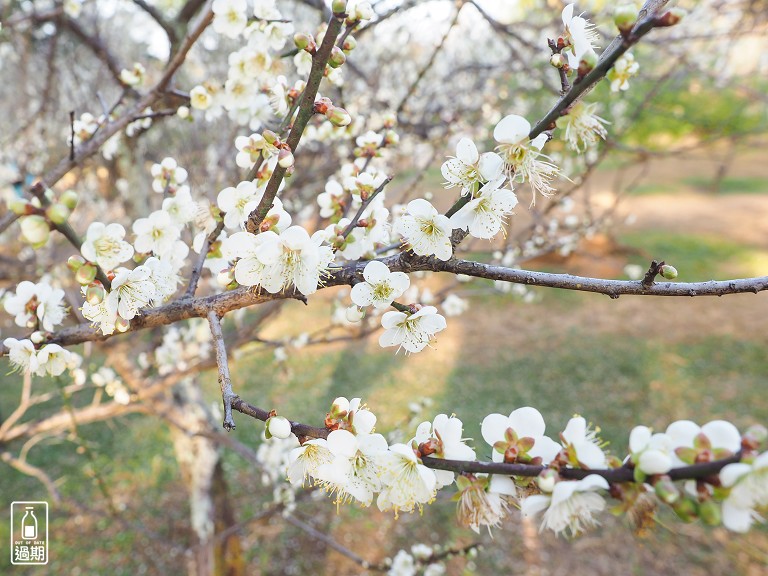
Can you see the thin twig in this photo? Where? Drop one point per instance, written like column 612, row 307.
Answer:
column 197, row 270
column 225, row 380
column 367, row 202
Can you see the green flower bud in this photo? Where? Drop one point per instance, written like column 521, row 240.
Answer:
column 74, row 263
column 339, row 7
column 339, row 117
column 686, row 509
column 269, row 136
column 337, row 58
column 57, row 213
column 122, row 325
column 19, row 207
column 547, row 480
column 625, row 17
column 35, row 230
column 69, row 199
column 558, row 60
column 349, row 44
column 668, row 272
column 95, row 293
column 85, row 274
column 710, row 513
column 666, row 490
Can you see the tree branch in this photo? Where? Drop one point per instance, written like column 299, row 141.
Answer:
column 225, row 380
column 306, row 109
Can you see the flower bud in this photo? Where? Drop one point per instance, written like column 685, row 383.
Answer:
column 666, row 490
column 69, row 199
column 74, row 263
column 269, row 136
column 85, row 274
column 95, row 293
column 547, row 480
column 587, row 63
column 285, row 158
column 709, row 512
column 668, row 272
column 349, row 44
column 558, row 60
column 225, row 277
column 755, row 435
column 625, row 17
column 686, row 509
column 391, row 138
column 339, row 117
column 337, row 58
column 37, row 337
column 279, row 427
column 35, row 230
column 57, row 213
column 339, row 6
column 340, row 407
column 670, row 17
column 355, row 314
column 122, row 325
column 20, row 207
column 182, row 112
column 323, row 106
column 305, row 42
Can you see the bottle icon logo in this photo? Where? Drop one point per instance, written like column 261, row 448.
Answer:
column 29, row 524
column 29, row 533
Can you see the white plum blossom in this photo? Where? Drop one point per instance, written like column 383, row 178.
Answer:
column 484, row 215
column 356, row 469
column 200, row 98
column 181, row 207
column 519, row 436
column 251, row 147
column 381, row 286
column 229, row 17
column 748, row 485
column 482, row 500
column 164, row 278
column 651, row 453
column 403, row 564
column 406, row 483
column 238, row 203
column 131, row 291
column 523, row 160
column 54, row 359
column 469, row 169
column 427, row 231
column 443, row 439
column 583, row 128
column 167, row 175
column 157, row 233
column 624, row 68
column 36, row 304
column 135, row 76
column 454, row 305
column 274, row 261
column 717, row 439
column 22, row 355
column 580, row 34
column 571, row 506
column 307, row 459
column 582, row 444
column 411, row 331
column 104, row 245
column 330, row 200
column 102, row 314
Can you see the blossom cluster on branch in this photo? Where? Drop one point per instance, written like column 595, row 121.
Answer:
column 256, row 238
